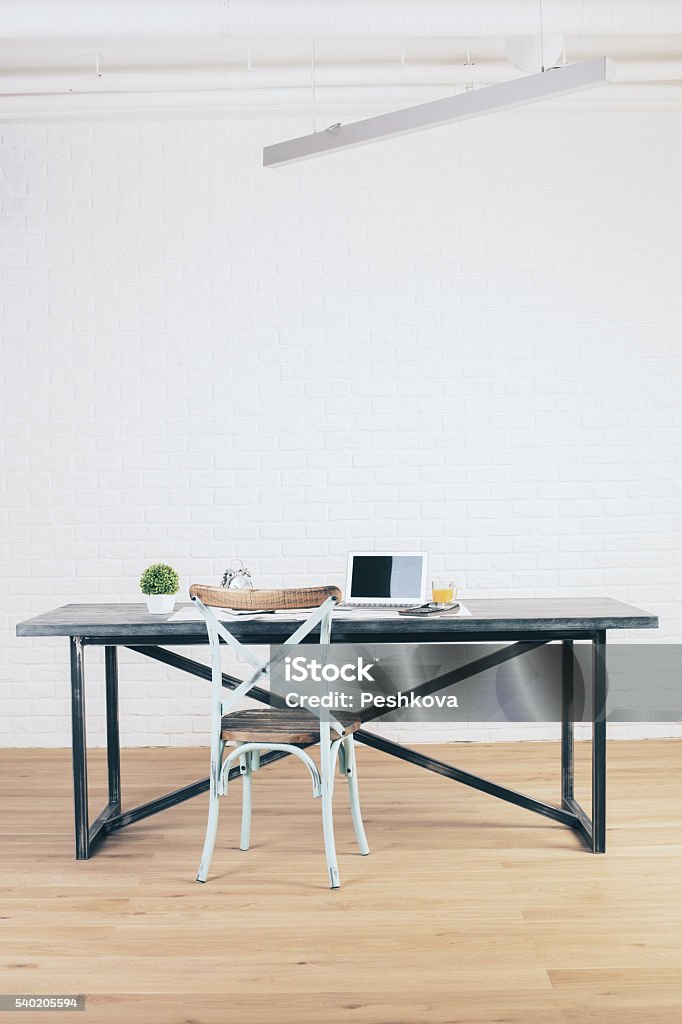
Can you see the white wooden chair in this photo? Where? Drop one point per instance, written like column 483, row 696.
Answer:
column 250, row 732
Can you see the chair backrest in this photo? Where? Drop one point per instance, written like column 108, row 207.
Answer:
column 263, row 600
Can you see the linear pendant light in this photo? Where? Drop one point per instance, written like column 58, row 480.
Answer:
column 516, row 93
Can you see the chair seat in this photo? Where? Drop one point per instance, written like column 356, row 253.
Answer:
column 274, row 726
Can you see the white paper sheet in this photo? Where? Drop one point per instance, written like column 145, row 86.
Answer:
column 190, row 614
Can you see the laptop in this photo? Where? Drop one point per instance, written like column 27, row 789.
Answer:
column 385, row 580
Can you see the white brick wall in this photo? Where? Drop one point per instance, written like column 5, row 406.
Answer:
column 467, row 340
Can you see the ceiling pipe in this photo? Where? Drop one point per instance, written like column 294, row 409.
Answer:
column 327, row 76
column 75, row 19
column 291, row 102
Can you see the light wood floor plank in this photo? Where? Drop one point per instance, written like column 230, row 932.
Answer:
column 467, row 910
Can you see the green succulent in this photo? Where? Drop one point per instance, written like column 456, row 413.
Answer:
column 159, row 579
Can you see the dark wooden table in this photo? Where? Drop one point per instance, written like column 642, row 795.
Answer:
column 523, row 624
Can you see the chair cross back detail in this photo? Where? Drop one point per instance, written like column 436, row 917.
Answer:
column 252, row 731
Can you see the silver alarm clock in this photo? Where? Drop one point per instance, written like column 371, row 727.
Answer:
column 237, row 576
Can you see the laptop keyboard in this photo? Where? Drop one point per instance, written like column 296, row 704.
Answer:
column 374, row 604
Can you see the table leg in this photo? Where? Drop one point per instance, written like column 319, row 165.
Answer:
column 79, row 750
column 599, row 742
column 113, row 739
column 567, row 719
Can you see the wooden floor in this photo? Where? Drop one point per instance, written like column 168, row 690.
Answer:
column 468, row 909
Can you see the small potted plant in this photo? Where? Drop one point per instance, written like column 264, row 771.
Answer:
column 160, row 583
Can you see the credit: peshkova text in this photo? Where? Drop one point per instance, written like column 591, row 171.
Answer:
column 339, row 701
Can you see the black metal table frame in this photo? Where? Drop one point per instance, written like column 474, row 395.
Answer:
column 591, row 830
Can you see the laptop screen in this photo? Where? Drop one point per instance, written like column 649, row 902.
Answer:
column 387, row 577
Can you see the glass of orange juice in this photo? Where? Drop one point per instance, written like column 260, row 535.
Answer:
column 443, row 591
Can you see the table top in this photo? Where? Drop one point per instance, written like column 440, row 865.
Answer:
column 510, row 616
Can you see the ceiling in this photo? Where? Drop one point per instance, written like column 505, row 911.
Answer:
column 67, row 59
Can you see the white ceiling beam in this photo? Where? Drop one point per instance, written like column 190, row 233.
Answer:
column 280, row 103
column 374, row 77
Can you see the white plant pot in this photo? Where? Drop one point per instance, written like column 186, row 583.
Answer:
column 160, row 604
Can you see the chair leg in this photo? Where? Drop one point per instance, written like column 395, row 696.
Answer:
column 211, row 826
column 246, row 771
column 354, row 794
column 327, row 778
